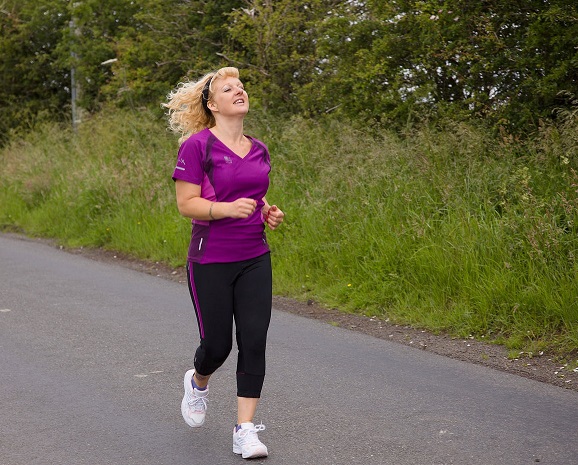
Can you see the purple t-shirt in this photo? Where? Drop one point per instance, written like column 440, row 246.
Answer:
column 224, row 177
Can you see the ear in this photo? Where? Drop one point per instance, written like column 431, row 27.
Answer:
column 211, row 106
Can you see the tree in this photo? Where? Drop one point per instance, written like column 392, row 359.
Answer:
column 170, row 40
column 34, row 83
column 41, row 41
column 97, row 28
column 275, row 41
column 509, row 63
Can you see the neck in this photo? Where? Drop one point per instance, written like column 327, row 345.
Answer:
column 231, row 131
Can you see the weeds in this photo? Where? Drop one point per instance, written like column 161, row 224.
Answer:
column 450, row 230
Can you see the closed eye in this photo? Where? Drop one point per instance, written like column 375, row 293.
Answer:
column 228, row 89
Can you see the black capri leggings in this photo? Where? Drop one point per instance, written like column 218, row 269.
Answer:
column 239, row 291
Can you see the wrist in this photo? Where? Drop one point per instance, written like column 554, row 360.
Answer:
column 211, row 211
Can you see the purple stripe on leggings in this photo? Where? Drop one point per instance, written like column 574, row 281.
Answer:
column 196, row 302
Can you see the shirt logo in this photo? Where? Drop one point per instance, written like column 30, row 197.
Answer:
column 180, row 162
column 228, row 160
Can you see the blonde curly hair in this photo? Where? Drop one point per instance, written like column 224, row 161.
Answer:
column 187, row 108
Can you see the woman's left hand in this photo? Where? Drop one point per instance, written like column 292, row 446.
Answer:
column 273, row 217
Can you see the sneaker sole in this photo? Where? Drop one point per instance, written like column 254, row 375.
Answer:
column 237, row 450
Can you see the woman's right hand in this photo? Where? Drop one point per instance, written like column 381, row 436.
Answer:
column 241, row 208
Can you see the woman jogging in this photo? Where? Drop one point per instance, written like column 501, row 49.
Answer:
column 222, row 177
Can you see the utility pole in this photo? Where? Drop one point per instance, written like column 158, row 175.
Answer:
column 74, row 87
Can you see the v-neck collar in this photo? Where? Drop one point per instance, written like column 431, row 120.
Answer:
column 229, row 148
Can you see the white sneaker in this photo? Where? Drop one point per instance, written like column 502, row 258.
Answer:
column 194, row 404
column 246, row 442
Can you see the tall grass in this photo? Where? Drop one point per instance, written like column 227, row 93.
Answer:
column 448, row 229
column 107, row 186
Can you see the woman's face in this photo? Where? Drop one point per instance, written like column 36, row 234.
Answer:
column 229, row 97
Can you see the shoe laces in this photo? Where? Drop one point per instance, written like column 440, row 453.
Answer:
column 196, row 403
column 249, row 436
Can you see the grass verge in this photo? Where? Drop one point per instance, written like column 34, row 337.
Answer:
column 449, row 229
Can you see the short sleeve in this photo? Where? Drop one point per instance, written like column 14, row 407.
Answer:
column 189, row 166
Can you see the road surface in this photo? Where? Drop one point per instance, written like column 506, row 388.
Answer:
column 92, row 357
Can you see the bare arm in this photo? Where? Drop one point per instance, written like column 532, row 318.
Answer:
column 192, row 205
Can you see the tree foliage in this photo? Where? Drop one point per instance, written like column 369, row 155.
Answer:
column 510, row 63
column 170, row 40
column 507, row 61
column 33, row 83
column 276, row 41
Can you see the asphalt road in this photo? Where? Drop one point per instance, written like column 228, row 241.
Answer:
column 92, row 357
